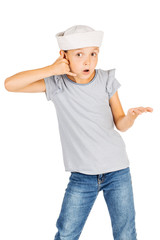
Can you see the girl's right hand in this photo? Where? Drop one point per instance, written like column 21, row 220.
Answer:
column 61, row 66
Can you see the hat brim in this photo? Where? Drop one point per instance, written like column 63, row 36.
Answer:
column 79, row 40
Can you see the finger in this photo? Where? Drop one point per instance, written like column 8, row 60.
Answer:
column 72, row 74
column 149, row 109
column 65, row 61
column 142, row 109
column 131, row 111
column 137, row 111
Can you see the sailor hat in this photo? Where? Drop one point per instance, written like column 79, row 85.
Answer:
column 79, row 36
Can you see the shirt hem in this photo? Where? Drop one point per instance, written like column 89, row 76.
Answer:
column 100, row 171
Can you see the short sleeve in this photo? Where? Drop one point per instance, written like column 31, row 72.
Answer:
column 112, row 83
column 53, row 86
column 50, row 87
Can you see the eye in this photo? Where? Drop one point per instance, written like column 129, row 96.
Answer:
column 78, row 54
column 94, row 53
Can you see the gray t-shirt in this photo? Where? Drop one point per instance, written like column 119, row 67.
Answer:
column 90, row 144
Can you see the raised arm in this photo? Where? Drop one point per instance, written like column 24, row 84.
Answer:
column 33, row 80
column 29, row 81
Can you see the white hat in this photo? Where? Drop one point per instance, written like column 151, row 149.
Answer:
column 79, row 36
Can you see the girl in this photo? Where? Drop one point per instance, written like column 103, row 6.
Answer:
column 87, row 106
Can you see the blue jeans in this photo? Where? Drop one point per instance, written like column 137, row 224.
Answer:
column 80, row 195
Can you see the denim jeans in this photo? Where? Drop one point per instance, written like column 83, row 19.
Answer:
column 80, row 195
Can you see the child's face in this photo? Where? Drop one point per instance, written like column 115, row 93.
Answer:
column 81, row 59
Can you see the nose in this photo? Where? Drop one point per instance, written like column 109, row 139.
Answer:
column 87, row 61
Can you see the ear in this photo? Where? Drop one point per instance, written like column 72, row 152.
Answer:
column 62, row 51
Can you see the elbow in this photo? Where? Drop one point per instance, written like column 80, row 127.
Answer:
column 123, row 130
column 120, row 129
column 8, row 86
column 120, row 124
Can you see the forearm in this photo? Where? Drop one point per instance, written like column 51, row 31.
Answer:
column 124, row 123
column 23, row 79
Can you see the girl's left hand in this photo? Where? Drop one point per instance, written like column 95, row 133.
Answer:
column 133, row 113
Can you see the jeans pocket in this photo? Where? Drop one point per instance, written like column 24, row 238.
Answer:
column 122, row 172
column 74, row 175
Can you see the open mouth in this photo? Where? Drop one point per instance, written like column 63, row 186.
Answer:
column 86, row 70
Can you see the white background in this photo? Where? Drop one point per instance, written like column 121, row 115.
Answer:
column 32, row 175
